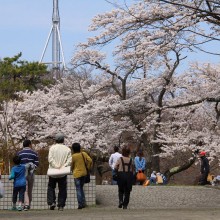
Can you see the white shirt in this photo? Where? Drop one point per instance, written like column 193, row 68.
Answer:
column 153, row 175
column 113, row 159
column 59, row 156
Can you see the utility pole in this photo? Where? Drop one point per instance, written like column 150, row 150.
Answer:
column 57, row 48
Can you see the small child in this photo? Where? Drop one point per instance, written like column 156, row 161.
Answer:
column 18, row 173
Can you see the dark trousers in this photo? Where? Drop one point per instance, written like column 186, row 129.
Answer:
column 113, row 181
column 203, row 178
column 18, row 190
column 62, row 195
column 124, row 196
column 124, row 187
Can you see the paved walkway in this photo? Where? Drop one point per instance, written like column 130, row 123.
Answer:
column 114, row 214
column 162, row 197
column 153, row 203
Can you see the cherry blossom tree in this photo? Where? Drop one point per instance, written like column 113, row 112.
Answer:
column 152, row 36
column 141, row 98
column 98, row 118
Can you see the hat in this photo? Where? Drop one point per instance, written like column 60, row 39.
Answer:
column 59, row 137
column 202, row 153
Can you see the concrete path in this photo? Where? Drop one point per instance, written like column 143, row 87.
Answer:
column 115, row 214
column 160, row 197
column 153, row 203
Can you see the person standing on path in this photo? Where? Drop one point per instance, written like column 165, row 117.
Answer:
column 124, row 166
column 204, row 168
column 59, row 156
column 112, row 161
column 140, row 163
column 18, row 174
column 29, row 157
column 80, row 160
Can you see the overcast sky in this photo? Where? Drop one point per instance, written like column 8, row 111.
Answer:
column 25, row 25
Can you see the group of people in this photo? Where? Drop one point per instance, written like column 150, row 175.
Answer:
column 157, row 178
column 124, row 167
column 25, row 163
column 126, row 170
column 139, row 164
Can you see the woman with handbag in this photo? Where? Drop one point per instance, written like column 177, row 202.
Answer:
column 124, row 167
column 140, row 165
column 81, row 164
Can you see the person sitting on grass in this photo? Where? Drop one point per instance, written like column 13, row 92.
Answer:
column 153, row 177
column 159, row 178
column 18, row 173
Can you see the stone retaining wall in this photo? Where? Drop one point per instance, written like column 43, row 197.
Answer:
column 40, row 193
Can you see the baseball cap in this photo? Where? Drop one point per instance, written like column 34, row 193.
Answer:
column 202, row 153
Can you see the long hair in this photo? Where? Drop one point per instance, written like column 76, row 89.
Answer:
column 126, row 151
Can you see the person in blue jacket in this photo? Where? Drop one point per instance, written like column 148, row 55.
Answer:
column 140, row 163
column 18, row 173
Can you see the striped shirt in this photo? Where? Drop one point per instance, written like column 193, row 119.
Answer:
column 27, row 155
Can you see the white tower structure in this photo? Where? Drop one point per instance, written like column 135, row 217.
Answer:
column 57, row 49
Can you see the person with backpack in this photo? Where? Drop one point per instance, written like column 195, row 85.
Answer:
column 124, row 167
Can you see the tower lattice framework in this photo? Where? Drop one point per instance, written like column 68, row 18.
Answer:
column 57, row 49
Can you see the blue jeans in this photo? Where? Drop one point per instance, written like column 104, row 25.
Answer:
column 153, row 180
column 79, row 183
column 113, row 181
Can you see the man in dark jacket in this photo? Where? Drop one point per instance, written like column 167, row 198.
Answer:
column 204, row 168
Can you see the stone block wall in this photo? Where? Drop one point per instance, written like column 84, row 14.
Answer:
column 40, row 193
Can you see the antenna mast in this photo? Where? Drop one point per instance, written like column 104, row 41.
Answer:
column 57, row 48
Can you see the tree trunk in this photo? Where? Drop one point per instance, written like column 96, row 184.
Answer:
column 178, row 169
column 155, row 157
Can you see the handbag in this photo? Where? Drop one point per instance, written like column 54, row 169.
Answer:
column 141, row 177
column 53, row 172
column 87, row 176
column 146, row 183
